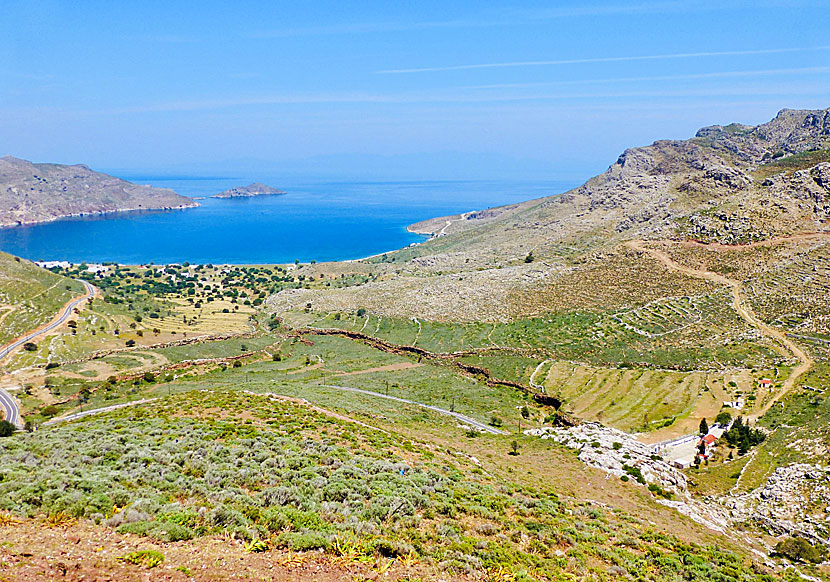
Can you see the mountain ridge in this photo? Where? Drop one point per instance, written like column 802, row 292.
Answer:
column 32, row 193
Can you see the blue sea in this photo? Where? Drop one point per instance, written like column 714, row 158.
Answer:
column 315, row 220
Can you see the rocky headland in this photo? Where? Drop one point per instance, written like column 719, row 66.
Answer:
column 31, row 193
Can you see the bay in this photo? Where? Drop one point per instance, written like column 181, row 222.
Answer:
column 315, row 220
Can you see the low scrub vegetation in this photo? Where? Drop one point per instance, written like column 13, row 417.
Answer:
column 295, row 478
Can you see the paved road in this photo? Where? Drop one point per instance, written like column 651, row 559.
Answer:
column 9, row 406
column 65, row 314
column 7, row 401
column 77, row 415
column 463, row 418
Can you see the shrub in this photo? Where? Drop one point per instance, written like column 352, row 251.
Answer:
column 30, row 347
column 636, row 473
column 799, row 550
column 302, row 542
column 50, row 410
column 6, row 428
column 391, row 548
column 147, row 558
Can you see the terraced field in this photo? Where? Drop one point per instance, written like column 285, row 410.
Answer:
column 670, row 314
column 641, row 400
column 794, row 296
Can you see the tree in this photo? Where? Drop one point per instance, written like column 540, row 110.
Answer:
column 30, row 347
column 799, row 550
column 525, row 412
column 6, row 428
column 514, row 448
column 129, row 343
column 50, row 410
column 529, row 258
column 723, row 418
column 704, row 426
column 149, row 377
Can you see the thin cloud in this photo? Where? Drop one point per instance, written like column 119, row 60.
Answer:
column 715, row 75
column 513, row 64
column 450, row 97
column 514, row 17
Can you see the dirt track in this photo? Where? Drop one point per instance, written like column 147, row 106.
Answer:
column 739, row 303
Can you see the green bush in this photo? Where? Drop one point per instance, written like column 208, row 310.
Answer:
column 303, row 542
column 6, row 428
column 800, row 550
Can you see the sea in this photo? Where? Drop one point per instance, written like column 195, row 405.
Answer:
column 316, row 220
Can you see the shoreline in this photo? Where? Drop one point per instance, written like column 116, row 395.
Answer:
column 20, row 223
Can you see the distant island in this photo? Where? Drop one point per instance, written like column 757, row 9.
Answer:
column 31, row 193
column 255, row 189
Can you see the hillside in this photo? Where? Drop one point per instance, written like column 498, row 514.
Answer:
column 29, row 296
column 32, row 193
column 511, row 400
column 255, row 189
column 729, row 185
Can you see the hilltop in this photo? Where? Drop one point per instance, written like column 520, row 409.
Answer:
column 32, row 193
column 730, row 185
column 255, row 189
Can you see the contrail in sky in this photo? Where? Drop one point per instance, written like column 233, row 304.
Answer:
column 505, row 65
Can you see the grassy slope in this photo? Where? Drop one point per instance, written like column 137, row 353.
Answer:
column 212, row 462
column 30, row 296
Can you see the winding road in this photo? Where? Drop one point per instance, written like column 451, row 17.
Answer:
column 83, row 413
column 7, row 401
column 9, row 406
column 463, row 418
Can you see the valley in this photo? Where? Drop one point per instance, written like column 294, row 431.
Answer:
column 496, row 403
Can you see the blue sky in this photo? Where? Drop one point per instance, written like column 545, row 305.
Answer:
column 386, row 89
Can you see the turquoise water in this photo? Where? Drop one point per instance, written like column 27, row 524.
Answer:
column 320, row 221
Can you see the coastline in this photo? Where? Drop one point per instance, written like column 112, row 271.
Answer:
column 96, row 213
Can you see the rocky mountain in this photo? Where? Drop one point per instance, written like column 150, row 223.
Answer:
column 31, row 193
column 255, row 189
column 728, row 184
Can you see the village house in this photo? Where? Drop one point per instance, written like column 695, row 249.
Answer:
column 764, row 383
column 705, row 446
column 738, row 403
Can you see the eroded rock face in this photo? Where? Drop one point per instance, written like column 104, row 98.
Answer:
column 795, row 500
column 612, row 451
column 791, row 131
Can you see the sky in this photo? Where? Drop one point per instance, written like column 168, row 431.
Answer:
column 385, row 90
